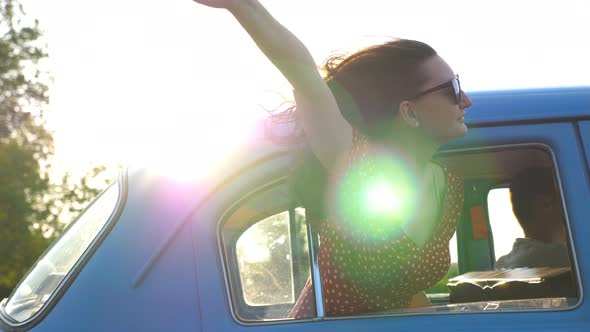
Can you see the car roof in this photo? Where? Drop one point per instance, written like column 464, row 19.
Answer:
column 528, row 105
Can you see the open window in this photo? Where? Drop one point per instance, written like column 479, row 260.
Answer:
column 503, row 222
column 513, row 245
column 267, row 252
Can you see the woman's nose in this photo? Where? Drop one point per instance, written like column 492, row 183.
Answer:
column 465, row 101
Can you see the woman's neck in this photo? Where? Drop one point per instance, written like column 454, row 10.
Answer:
column 418, row 149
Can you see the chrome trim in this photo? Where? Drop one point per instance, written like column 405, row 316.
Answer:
column 315, row 271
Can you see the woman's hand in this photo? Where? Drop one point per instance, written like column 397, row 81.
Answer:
column 217, row 3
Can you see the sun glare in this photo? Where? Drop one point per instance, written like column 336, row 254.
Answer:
column 193, row 147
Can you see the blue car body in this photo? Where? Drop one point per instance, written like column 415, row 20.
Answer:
column 158, row 264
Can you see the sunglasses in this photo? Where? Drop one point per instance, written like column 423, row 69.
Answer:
column 454, row 83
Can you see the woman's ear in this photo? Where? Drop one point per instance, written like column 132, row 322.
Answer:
column 408, row 114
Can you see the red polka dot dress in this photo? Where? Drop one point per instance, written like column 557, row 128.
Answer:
column 361, row 276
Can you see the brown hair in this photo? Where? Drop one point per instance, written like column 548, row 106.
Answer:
column 370, row 83
column 367, row 85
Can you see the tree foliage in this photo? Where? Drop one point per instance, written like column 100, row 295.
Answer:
column 21, row 87
column 33, row 206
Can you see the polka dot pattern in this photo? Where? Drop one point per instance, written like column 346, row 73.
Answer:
column 360, row 276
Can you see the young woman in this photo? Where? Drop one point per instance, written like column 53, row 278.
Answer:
column 380, row 113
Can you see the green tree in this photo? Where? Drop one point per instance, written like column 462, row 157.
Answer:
column 23, row 143
column 32, row 205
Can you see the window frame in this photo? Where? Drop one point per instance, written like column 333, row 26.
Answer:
column 233, row 284
column 574, row 266
column 86, row 256
column 449, row 309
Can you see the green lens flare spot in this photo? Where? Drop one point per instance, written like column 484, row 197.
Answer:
column 381, row 198
column 376, row 196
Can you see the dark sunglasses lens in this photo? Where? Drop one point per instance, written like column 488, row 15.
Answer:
column 457, row 90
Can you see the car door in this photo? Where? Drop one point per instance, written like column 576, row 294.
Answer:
column 584, row 131
column 220, row 306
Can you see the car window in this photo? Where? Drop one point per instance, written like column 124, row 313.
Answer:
column 504, row 224
column 267, row 255
column 59, row 260
column 265, row 260
column 528, row 222
column 518, row 197
column 267, row 250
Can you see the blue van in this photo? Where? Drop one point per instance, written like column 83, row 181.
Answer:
column 230, row 250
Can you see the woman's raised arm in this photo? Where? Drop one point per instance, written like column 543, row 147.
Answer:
column 328, row 133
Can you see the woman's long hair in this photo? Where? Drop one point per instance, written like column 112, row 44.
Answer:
column 367, row 85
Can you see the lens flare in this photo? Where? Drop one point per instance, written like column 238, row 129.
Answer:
column 375, row 196
column 382, row 197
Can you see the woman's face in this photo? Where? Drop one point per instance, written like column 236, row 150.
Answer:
column 437, row 112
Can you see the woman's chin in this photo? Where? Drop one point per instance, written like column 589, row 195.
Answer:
column 462, row 130
column 458, row 132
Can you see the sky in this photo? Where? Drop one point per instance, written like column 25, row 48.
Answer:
column 133, row 79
